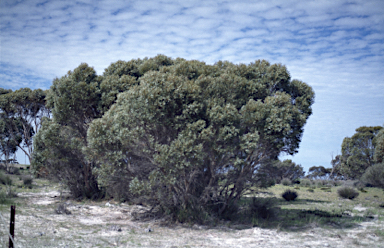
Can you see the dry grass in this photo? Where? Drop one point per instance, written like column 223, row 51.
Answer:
column 313, row 219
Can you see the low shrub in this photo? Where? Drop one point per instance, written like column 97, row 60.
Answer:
column 374, row 175
column 289, row 195
column 296, row 181
column 27, row 181
column 14, row 171
column 349, row 183
column 62, row 209
column 310, row 190
column 5, row 179
column 261, row 208
column 3, row 197
column 321, row 183
column 335, row 183
column 286, row 182
column 360, row 186
column 347, row 192
column 10, row 192
column 305, row 182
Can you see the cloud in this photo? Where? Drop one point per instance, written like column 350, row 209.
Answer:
column 335, row 46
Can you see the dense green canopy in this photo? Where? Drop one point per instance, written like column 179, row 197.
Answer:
column 75, row 100
column 190, row 134
column 358, row 151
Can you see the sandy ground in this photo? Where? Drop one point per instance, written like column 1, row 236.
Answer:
column 103, row 224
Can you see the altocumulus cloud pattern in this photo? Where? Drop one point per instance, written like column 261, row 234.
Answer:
column 335, row 46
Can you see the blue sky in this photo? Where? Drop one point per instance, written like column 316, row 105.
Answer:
column 335, row 46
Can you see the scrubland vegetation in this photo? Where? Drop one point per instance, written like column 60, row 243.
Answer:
column 48, row 216
column 191, row 143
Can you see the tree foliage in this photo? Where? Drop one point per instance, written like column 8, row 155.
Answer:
column 276, row 170
column 319, row 172
column 21, row 113
column 75, row 100
column 190, row 136
column 336, row 171
column 59, row 151
column 358, row 152
column 9, row 140
column 379, row 147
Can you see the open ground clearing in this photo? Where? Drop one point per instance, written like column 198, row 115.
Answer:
column 315, row 219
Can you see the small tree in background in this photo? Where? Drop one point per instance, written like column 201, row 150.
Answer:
column 21, row 112
column 358, row 152
column 336, row 172
column 11, row 136
column 319, row 172
column 276, row 170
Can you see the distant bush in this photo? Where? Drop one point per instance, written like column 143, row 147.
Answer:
column 321, row 183
column 305, row 182
column 10, row 192
column 5, row 179
column 347, row 192
column 62, row 209
column 3, row 197
column 14, row 171
column 349, row 183
column 289, row 195
column 296, row 181
column 310, row 190
column 261, row 208
column 335, row 183
column 27, row 181
column 360, row 185
column 264, row 181
column 374, row 175
column 286, row 182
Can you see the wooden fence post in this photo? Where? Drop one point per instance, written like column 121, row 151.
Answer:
column 12, row 226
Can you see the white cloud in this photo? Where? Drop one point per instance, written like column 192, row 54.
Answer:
column 335, row 46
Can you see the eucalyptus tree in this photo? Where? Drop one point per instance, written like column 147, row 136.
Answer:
column 336, row 171
column 358, row 152
column 319, row 172
column 191, row 137
column 21, row 113
column 379, row 147
column 276, row 170
column 9, row 140
column 75, row 100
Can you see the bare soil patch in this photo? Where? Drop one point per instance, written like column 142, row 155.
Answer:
column 107, row 224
